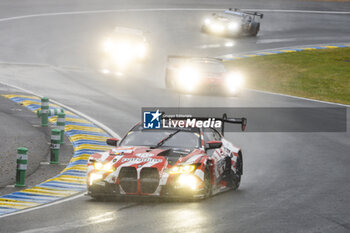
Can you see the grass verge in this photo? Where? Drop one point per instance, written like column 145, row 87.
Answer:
column 317, row 74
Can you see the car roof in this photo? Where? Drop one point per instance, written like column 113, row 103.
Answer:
column 233, row 13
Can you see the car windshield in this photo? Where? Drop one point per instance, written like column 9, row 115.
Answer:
column 125, row 37
column 188, row 139
column 210, row 67
column 233, row 16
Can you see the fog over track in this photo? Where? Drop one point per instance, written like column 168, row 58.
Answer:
column 292, row 182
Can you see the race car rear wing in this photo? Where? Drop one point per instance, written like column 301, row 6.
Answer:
column 236, row 10
column 242, row 121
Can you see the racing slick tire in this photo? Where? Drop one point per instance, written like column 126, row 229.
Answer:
column 207, row 184
column 97, row 197
column 233, row 179
column 236, row 178
column 254, row 28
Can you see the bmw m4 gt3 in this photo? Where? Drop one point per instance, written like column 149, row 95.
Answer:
column 232, row 22
column 186, row 162
column 201, row 75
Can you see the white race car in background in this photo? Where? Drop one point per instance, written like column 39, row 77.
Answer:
column 122, row 49
column 232, row 22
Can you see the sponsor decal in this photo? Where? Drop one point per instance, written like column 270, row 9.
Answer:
column 144, row 155
column 142, row 160
column 123, row 151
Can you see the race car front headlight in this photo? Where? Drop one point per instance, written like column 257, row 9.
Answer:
column 234, row 26
column 108, row 167
column 234, row 81
column 108, row 45
column 217, row 27
column 98, row 165
column 182, row 169
column 188, row 78
column 188, row 181
column 141, row 51
column 207, row 21
column 94, row 177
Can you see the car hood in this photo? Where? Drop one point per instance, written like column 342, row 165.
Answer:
column 146, row 157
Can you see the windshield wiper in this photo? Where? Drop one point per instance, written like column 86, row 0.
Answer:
column 161, row 142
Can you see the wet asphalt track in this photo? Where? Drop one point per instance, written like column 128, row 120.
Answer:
column 293, row 182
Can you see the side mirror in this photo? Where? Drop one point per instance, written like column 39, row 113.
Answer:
column 112, row 141
column 213, row 145
column 261, row 16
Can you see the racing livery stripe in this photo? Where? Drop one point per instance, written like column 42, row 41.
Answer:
column 86, row 139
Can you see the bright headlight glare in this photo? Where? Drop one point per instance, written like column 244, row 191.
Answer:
column 103, row 167
column 188, row 78
column 108, row 45
column 207, row 21
column 98, row 165
column 182, row 169
column 233, row 26
column 122, row 54
column 217, row 27
column 141, row 50
column 94, row 177
column 235, row 80
column 188, row 181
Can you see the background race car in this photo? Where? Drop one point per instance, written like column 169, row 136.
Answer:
column 122, row 49
column 201, row 75
column 184, row 162
column 232, row 22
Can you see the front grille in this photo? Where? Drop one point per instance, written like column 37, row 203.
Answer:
column 128, row 179
column 149, row 180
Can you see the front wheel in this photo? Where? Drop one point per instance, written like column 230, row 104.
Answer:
column 254, row 28
column 97, row 197
column 207, row 184
column 236, row 177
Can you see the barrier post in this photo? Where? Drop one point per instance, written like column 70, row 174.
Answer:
column 22, row 161
column 44, row 111
column 55, row 146
column 61, row 122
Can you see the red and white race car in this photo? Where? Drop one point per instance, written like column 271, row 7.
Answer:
column 168, row 162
